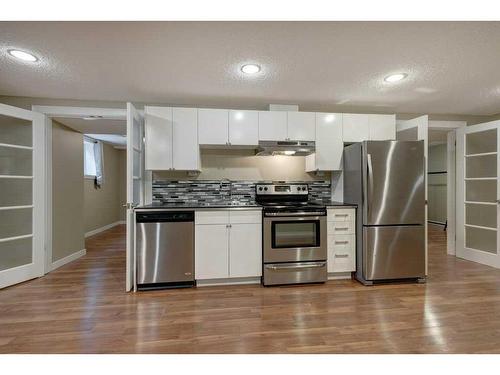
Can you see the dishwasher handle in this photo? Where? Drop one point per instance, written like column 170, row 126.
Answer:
column 165, row 217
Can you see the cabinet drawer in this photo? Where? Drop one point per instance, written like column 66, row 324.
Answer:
column 245, row 217
column 346, row 242
column 211, row 217
column 341, row 260
column 341, row 214
column 340, row 227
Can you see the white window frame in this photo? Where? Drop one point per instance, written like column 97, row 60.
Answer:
column 89, row 139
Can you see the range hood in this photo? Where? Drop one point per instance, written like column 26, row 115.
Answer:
column 289, row 148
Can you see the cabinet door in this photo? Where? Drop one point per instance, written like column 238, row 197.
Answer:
column 186, row 152
column 158, row 138
column 382, row 127
column 211, row 252
column 301, row 126
column 356, row 127
column 272, row 126
column 212, row 126
column 243, row 128
column 329, row 141
column 245, row 250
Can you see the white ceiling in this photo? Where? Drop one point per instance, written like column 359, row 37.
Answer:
column 98, row 126
column 453, row 67
column 116, row 140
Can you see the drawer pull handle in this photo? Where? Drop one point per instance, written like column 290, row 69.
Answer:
column 343, row 228
column 341, row 215
column 341, row 242
column 341, row 255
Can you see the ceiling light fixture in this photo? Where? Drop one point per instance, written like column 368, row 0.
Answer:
column 289, row 152
column 250, row 68
column 92, row 118
column 21, row 55
column 395, row 77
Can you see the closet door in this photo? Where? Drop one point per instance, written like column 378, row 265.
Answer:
column 22, row 198
column 478, row 193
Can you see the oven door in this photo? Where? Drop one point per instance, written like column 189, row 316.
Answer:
column 294, row 239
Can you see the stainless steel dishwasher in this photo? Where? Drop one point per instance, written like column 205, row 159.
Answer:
column 165, row 249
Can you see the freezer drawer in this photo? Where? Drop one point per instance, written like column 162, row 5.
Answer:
column 393, row 252
column 295, row 273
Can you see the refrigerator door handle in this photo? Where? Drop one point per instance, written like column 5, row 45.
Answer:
column 369, row 183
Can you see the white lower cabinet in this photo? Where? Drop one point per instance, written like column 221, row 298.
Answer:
column 341, row 240
column 228, row 244
column 211, row 256
column 245, row 254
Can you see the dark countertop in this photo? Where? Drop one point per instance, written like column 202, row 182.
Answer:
column 224, row 205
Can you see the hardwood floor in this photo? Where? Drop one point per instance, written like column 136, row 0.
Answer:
column 82, row 308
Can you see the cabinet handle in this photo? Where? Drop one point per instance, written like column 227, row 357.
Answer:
column 343, row 228
column 341, row 242
column 341, row 255
column 341, row 215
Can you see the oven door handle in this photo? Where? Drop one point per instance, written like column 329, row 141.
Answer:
column 296, row 267
column 300, row 213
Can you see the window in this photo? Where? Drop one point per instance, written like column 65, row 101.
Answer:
column 89, row 160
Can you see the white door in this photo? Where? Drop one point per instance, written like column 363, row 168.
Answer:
column 213, row 126
column 211, row 254
column 22, row 198
column 186, row 151
column 135, row 194
column 243, row 128
column 382, row 127
column 273, row 126
column 355, row 127
column 245, row 250
column 158, row 138
column 301, row 126
column 478, row 193
column 417, row 129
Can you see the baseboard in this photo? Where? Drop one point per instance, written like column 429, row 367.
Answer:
column 339, row 275
column 102, row 229
column 66, row 260
column 231, row 281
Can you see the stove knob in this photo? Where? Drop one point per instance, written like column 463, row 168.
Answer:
column 298, row 188
column 260, row 188
column 265, row 189
column 304, row 188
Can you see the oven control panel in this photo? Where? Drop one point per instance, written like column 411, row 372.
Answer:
column 281, row 189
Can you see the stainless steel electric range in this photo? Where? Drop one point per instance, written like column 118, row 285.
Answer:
column 293, row 234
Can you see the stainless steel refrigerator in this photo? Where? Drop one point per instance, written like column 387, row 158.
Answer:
column 386, row 179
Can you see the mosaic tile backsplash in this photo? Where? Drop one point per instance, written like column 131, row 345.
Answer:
column 205, row 191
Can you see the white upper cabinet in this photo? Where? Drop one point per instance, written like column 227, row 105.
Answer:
column 213, row 126
column 301, row 126
column 382, row 127
column 272, row 126
column 185, row 148
column 356, row 127
column 171, row 138
column 329, row 144
column 243, row 128
column 158, row 138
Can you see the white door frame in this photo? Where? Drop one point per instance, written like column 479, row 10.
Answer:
column 50, row 112
column 452, row 127
column 35, row 268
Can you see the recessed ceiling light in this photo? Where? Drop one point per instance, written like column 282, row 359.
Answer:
column 250, row 68
column 21, row 55
column 395, row 77
column 91, row 118
column 289, row 152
